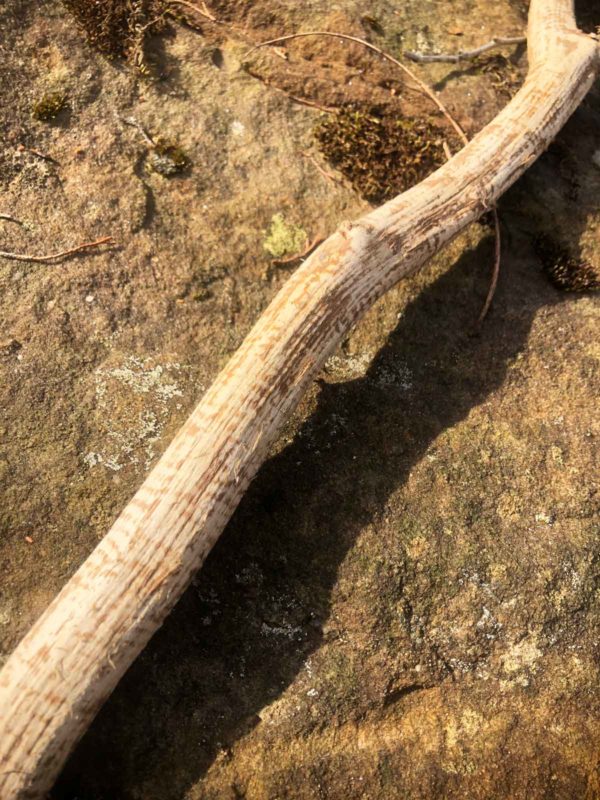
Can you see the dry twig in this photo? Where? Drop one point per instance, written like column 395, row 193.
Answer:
column 496, row 270
column 55, row 256
column 21, row 148
column 281, row 262
column 330, row 176
column 10, row 218
column 464, row 55
column 133, row 123
column 204, row 12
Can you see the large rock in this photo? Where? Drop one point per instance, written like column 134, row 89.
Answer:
column 406, row 602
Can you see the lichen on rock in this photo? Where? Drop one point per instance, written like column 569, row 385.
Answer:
column 284, row 238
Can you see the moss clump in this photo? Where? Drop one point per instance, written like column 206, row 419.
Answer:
column 380, row 153
column 502, row 73
column 168, row 158
column 49, row 106
column 284, row 238
column 116, row 28
column 567, row 273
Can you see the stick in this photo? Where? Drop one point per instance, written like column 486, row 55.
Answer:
column 464, row 55
column 55, row 256
column 66, row 666
column 10, row 218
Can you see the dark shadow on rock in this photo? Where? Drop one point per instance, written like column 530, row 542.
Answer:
column 242, row 632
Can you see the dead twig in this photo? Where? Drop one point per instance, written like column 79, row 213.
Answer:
column 357, row 40
column 55, row 256
column 301, row 100
column 319, row 168
column 496, row 270
column 464, row 55
column 281, row 262
column 133, row 123
column 204, row 12
column 22, row 149
column 10, row 218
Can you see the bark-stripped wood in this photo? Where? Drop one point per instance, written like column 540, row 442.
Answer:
column 71, row 660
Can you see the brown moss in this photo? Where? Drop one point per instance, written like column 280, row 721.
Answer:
column 49, row 106
column 116, row 28
column 379, row 152
column 563, row 270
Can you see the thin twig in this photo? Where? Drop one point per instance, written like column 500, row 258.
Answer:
column 302, row 100
column 10, row 218
column 54, row 256
column 202, row 11
column 496, row 271
column 310, row 103
column 464, row 55
column 423, row 86
column 21, row 148
column 319, row 168
column 280, row 262
column 133, row 123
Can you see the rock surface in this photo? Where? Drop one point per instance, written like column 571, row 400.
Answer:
column 406, row 602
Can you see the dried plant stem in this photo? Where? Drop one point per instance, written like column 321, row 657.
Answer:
column 496, row 269
column 328, row 175
column 57, row 256
column 67, row 665
column 281, row 262
column 10, row 218
column 204, row 12
column 464, row 55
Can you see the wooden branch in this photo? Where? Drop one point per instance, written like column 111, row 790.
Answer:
column 464, row 55
column 73, row 657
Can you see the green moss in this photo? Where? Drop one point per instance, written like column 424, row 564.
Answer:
column 563, row 270
column 168, row 158
column 284, row 238
column 380, row 153
column 49, row 106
